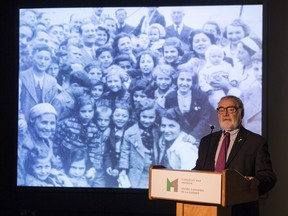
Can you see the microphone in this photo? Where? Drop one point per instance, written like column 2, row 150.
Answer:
column 212, row 128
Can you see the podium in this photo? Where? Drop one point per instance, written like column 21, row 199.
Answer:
column 200, row 193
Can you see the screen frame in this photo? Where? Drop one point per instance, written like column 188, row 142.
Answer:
column 23, row 193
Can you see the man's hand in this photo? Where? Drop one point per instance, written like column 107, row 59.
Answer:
column 254, row 182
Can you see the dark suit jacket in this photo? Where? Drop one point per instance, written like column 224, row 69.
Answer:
column 184, row 34
column 126, row 29
column 197, row 119
column 249, row 156
column 28, row 96
column 156, row 18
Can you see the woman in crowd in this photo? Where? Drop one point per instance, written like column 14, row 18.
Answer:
column 234, row 32
column 249, row 52
column 102, row 36
column 122, row 44
column 199, row 42
column 38, row 133
column 176, row 152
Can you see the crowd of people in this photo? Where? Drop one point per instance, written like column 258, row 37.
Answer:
column 100, row 100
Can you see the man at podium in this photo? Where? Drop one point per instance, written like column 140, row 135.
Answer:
column 235, row 147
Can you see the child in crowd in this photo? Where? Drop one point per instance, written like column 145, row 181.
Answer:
column 172, row 51
column 163, row 75
column 94, row 72
column 146, row 62
column 64, row 103
column 139, row 149
column 54, row 70
column 40, row 172
column 140, row 43
column 78, row 131
column 103, row 119
column 156, row 34
column 126, row 63
column 105, row 55
column 96, row 92
column 78, row 168
column 116, row 90
column 140, row 92
column 120, row 122
column 213, row 72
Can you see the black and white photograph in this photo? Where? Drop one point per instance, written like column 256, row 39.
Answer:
column 106, row 92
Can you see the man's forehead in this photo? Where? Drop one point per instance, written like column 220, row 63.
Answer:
column 227, row 101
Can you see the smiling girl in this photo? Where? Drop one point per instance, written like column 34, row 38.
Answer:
column 192, row 103
column 172, row 51
column 40, row 172
column 78, row 131
column 117, row 92
column 139, row 147
column 120, row 122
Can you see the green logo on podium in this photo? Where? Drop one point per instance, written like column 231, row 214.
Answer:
column 172, row 184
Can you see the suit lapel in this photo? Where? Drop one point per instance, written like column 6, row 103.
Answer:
column 28, row 81
column 238, row 143
column 46, row 85
column 208, row 152
column 213, row 146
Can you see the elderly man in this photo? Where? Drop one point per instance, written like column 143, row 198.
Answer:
column 235, row 147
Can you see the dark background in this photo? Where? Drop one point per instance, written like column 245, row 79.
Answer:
column 35, row 201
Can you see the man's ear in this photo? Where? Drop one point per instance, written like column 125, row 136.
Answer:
column 242, row 113
column 74, row 85
column 32, row 121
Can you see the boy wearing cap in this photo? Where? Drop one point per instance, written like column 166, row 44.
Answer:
column 64, row 102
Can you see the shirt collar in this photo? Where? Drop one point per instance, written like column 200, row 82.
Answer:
column 232, row 133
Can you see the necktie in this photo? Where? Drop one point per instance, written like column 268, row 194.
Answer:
column 92, row 53
column 178, row 29
column 221, row 160
column 39, row 93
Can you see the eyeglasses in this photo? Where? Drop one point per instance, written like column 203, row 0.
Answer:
column 229, row 109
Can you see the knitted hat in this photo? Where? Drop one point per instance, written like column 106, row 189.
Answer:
column 40, row 109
